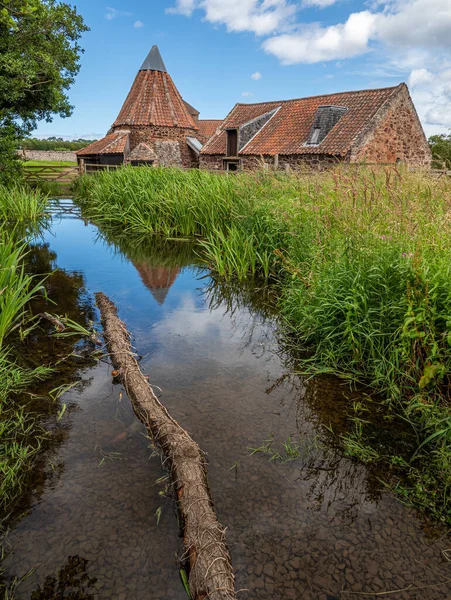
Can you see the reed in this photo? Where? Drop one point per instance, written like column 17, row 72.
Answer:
column 361, row 258
column 21, row 212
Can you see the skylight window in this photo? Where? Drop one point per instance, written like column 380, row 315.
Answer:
column 315, row 135
column 326, row 117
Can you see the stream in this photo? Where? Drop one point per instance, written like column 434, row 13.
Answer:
column 318, row 527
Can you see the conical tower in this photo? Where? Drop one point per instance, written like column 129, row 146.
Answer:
column 154, row 126
column 153, row 99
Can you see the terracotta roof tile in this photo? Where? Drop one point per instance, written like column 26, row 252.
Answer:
column 287, row 131
column 207, row 127
column 154, row 100
column 113, row 143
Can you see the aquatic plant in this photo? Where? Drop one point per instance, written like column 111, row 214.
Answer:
column 361, row 259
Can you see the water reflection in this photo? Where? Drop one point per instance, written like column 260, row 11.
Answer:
column 71, row 581
column 316, row 527
column 157, row 279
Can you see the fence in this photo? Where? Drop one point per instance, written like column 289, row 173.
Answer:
column 60, row 174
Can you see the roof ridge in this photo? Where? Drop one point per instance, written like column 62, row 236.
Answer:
column 391, row 87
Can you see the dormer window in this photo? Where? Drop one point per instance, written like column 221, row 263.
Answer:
column 232, row 142
column 326, row 117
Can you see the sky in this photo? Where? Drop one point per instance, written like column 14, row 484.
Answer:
column 219, row 52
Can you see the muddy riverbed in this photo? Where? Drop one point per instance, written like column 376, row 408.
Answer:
column 319, row 527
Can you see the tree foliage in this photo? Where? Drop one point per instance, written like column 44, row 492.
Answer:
column 441, row 150
column 54, row 143
column 39, row 59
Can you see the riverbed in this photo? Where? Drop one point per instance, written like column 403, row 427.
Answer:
column 320, row 526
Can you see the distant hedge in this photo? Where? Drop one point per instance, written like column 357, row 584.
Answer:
column 53, row 143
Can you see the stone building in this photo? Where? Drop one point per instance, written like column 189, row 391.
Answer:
column 155, row 126
column 369, row 126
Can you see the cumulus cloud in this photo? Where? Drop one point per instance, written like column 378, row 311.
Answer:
column 404, row 24
column 256, row 76
column 314, row 43
column 138, row 24
column 261, row 17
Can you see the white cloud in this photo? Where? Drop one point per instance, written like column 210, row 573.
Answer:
column 261, row 17
column 314, row 43
column 419, row 76
column 403, row 24
column 113, row 13
column 431, row 92
column 246, row 94
column 138, row 24
column 318, row 3
column 184, row 7
column 256, row 76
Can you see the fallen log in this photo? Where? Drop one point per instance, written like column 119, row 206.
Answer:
column 206, row 552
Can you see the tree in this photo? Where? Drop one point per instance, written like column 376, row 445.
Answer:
column 441, row 150
column 39, row 59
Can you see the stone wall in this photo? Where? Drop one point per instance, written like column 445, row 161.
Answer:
column 213, row 162
column 296, row 162
column 301, row 162
column 169, row 143
column 396, row 136
column 49, row 155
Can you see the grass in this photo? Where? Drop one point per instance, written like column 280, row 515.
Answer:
column 362, row 262
column 20, row 207
column 52, row 163
column 22, row 437
column 20, row 212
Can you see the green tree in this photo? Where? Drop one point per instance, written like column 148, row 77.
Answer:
column 441, row 150
column 39, row 59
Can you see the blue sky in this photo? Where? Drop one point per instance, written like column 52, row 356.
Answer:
column 220, row 52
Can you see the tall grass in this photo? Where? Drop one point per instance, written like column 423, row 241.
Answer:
column 362, row 259
column 21, row 205
column 21, row 212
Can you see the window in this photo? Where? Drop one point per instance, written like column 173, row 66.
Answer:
column 231, row 165
column 232, row 142
column 315, row 135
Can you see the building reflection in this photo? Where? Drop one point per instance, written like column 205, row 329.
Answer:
column 158, row 280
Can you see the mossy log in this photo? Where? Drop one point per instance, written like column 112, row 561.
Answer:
column 210, row 566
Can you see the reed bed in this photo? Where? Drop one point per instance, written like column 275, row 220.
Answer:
column 362, row 260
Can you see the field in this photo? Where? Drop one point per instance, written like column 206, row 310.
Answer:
column 52, row 163
column 362, row 263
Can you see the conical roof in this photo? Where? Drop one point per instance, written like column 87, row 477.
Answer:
column 154, row 62
column 153, row 98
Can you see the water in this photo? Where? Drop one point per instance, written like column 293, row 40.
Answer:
column 315, row 528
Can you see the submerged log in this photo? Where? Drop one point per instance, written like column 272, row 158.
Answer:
column 210, row 566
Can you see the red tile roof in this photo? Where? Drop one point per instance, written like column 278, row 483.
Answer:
column 287, row 131
column 154, row 100
column 207, row 127
column 113, row 143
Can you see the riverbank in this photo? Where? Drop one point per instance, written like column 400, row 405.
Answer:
column 30, row 357
column 361, row 260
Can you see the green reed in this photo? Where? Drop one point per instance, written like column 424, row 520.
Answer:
column 361, row 257
column 21, row 212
